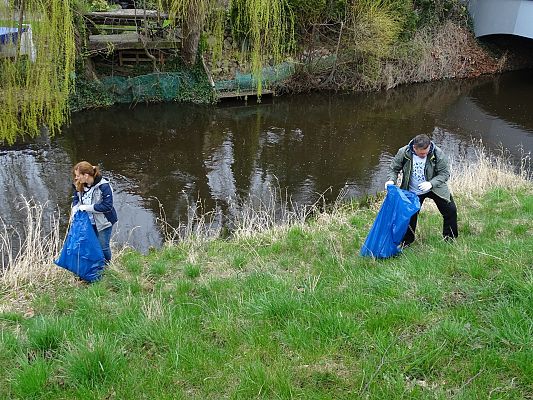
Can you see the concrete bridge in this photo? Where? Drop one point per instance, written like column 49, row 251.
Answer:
column 511, row 17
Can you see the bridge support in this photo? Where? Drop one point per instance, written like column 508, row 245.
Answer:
column 511, row 17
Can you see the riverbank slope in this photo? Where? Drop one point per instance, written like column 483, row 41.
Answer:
column 361, row 47
column 293, row 311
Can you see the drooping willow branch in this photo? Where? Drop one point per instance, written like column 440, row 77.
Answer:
column 265, row 28
column 35, row 81
column 268, row 26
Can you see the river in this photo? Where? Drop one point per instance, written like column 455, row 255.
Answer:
column 171, row 156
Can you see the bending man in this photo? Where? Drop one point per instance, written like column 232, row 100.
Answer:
column 425, row 172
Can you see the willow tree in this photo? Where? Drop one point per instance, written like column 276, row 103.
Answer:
column 268, row 26
column 194, row 16
column 265, row 27
column 34, row 89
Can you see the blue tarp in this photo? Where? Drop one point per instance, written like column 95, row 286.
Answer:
column 9, row 35
column 391, row 223
column 82, row 253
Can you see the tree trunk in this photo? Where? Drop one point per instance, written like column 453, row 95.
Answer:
column 191, row 33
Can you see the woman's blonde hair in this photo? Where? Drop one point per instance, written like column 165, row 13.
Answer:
column 84, row 167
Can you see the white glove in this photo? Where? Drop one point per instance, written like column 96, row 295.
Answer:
column 425, row 186
column 388, row 183
column 85, row 207
column 73, row 211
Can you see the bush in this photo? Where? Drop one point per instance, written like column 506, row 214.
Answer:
column 308, row 12
column 98, row 5
column 89, row 94
column 434, row 12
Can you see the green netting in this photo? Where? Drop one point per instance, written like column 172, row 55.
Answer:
column 183, row 85
column 147, row 88
column 269, row 76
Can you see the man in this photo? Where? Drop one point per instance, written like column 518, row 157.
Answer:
column 425, row 172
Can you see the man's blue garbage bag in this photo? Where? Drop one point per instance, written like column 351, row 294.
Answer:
column 82, row 253
column 391, row 223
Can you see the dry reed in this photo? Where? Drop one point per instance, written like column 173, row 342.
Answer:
column 254, row 214
column 472, row 178
column 27, row 257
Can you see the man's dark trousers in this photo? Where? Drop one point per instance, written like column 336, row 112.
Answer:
column 448, row 211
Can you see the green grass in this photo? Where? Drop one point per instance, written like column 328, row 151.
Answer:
column 293, row 313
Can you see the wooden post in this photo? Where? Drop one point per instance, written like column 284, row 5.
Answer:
column 19, row 37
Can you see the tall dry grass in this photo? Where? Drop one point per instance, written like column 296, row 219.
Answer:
column 244, row 217
column 485, row 170
column 199, row 226
column 276, row 210
column 357, row 58
column 27, row 256
column 272, row 213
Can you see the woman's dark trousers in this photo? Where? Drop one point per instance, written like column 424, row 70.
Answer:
column 448, row 211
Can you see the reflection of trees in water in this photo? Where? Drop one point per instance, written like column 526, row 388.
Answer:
column 309, row 143
column 508, row 97
column 27, row 174
column 495, row 110
column 156, row 147
column 37, row 174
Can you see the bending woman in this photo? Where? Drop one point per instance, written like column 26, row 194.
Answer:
column 93, row 194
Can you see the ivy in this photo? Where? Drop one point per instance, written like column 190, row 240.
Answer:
column 89, row 94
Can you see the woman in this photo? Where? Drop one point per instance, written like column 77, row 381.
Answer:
column 93, row 194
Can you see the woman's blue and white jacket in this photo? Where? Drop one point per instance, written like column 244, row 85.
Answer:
column 99, row 198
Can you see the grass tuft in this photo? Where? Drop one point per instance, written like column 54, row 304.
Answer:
column 93, row 362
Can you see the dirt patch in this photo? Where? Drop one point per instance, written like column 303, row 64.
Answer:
column 496, row 54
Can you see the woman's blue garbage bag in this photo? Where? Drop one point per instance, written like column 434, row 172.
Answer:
column 391, row 223
column 82, row 253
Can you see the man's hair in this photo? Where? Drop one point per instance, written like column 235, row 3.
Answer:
column 421, row 141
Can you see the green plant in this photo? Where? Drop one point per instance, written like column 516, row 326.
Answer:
column 35, row 89
column 434, row 12
column 132, row 261
column 31, row 378
column 191, row 271
column 88, row 94
column 93, row 362
column 268, row 29
column 45, row 335
column 98, row 5
column 158, row 268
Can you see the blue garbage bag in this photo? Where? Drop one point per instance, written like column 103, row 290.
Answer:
column 391, row 223
column 82, row 253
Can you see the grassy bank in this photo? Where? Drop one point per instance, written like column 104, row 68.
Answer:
column 293, row 312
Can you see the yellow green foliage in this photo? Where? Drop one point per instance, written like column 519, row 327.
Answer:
column 34, row 93
column 264, row 27
column 208, row 15
column 267, row 26
column 377, row 24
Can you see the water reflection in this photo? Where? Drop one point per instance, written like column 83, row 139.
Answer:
column 498, row 111
column 174, row 155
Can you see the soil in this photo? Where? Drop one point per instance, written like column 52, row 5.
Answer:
column 496, row 54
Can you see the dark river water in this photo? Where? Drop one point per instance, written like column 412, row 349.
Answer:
column 175, row 155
